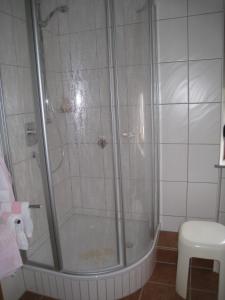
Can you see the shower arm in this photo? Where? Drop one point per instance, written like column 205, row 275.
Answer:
column 44, row 23
column 47, row 103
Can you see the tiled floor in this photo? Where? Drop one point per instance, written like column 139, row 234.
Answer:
column 203, row 283
column 1, row 296
column 32, row 296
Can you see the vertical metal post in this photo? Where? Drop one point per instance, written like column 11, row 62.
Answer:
column 221, row 164
column 155, row 121
column 222, row 138
column 120, row 221
column 151, row 72
column 39, row 95
column 220, row 170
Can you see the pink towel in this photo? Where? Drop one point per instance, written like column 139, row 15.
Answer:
column 17, row 216
column 17, row 208
column 6, row 191
column 14, row 207
column 10, row 210
column 10, row 259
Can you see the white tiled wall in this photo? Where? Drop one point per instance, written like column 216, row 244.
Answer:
column 56, row 128
column 85, row 81
column 190, row 36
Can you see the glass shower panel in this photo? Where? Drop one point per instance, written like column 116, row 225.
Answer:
column 80, row 134
column 132, row 39
column 18, row 111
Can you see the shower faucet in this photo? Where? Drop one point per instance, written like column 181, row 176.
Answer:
column 102, row 142
column 31, row 134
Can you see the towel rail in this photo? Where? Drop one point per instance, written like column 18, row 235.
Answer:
column 35, row 206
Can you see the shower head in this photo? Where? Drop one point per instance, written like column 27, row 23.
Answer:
column 143, row 7
column 62, row 9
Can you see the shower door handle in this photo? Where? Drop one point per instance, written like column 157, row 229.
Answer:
column 35, row 206
column 128, row 134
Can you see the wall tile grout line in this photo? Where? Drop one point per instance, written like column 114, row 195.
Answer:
column 191, row 15
column 188, row 97
column 192, row 103
column 209, row 182
column 190, row 60
column 192, row 144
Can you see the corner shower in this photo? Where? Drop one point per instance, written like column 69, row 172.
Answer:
column 94, row 158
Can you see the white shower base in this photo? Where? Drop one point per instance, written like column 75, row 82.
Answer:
column 108, row 286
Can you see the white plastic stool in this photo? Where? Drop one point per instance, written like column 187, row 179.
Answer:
column 200, row 239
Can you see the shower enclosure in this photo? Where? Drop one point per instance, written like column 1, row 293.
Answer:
column 91, row 139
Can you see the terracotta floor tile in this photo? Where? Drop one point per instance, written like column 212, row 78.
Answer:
column 168, row 256
column 204, row 279
column 134, row 296
column 198, row 295
column 154, row 291
column 31, row 296
column 203, row 263
column 164, row 273
column 1, row 295
column 168, row 239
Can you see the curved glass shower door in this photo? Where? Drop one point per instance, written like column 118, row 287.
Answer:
column 79, row 133
column 133, row 59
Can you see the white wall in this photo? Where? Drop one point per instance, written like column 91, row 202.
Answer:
column 190, row 37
